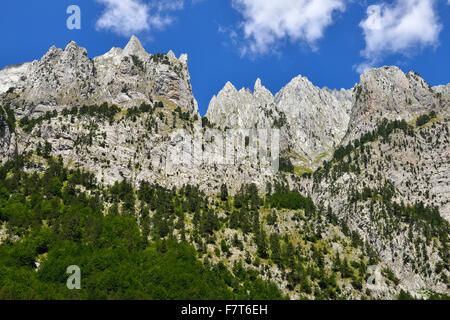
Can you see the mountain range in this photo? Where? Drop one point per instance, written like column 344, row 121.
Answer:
column 375, row 159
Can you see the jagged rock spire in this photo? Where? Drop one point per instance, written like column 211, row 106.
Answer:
column 171, row 55
column 134, row 47
column 258, row 84
column 71, row 44
column 68, row 77
column 184, row 59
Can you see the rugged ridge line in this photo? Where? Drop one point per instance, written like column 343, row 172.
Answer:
column 68, row 77
column 385, row 183
column 315, row 121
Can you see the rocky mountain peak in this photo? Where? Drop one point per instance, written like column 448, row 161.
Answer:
column 317, row 118
column 183, row 59
column 382, row 79
column 241, row 109
column 171, row 55
column 71, row 45
column 384, row 71
column 261, row 93
column 258, row 84
column 299, row 82
column 228, row 88
column 74, row 52
column 387, row 92
column 68, row 77
column 134, row 47
column 51, row 53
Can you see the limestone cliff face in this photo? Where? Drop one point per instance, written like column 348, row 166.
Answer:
column 317, row 118
column 7, row 141
column 312, row 120
column 315, row 121
column 69, row 77
column 443, row 94
column 389, row 93
column 137, row 144
column 443, row 90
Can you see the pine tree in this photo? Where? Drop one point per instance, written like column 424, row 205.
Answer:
column 261, row 242
column 224, row 192
column 275, row 248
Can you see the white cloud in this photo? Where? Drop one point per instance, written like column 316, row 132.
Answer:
column 267, row 22
column 127, row 17
column 404, row 27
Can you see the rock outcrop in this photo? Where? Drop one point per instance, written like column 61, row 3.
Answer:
column 317, row 118
column 389, row 93
column 69, row 77
column 156, row 117
column 312, row 120
column 7, row 141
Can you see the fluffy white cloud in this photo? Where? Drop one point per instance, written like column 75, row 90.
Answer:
column 266, row 22
column 405, row 27
column 126, row 17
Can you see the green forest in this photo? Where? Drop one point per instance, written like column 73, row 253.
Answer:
column 57, row 225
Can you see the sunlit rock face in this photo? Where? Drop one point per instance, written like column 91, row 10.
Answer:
column 312, row 120
column 69, row 77
column 167, row 143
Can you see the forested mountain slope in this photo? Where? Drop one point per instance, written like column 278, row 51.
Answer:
column 89, row 176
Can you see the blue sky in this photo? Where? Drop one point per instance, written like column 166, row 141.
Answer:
column 328, row 41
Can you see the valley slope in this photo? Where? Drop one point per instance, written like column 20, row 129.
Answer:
column 374, row 159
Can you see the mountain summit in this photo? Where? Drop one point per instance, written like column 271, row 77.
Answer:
column 363, row 177
column 134, row 47
column 68, row 77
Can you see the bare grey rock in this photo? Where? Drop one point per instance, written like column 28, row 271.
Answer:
column 313, row 123
column 312, row 120
column 69, row 77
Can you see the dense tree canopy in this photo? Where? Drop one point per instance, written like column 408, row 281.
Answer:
column 58, row 225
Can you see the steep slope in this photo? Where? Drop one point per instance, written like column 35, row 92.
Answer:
column 312, row 120
column 391, row 188
column 149, row 142
column 374, row 160
column 389, row 93
column 7, row 135
column 317, row 119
